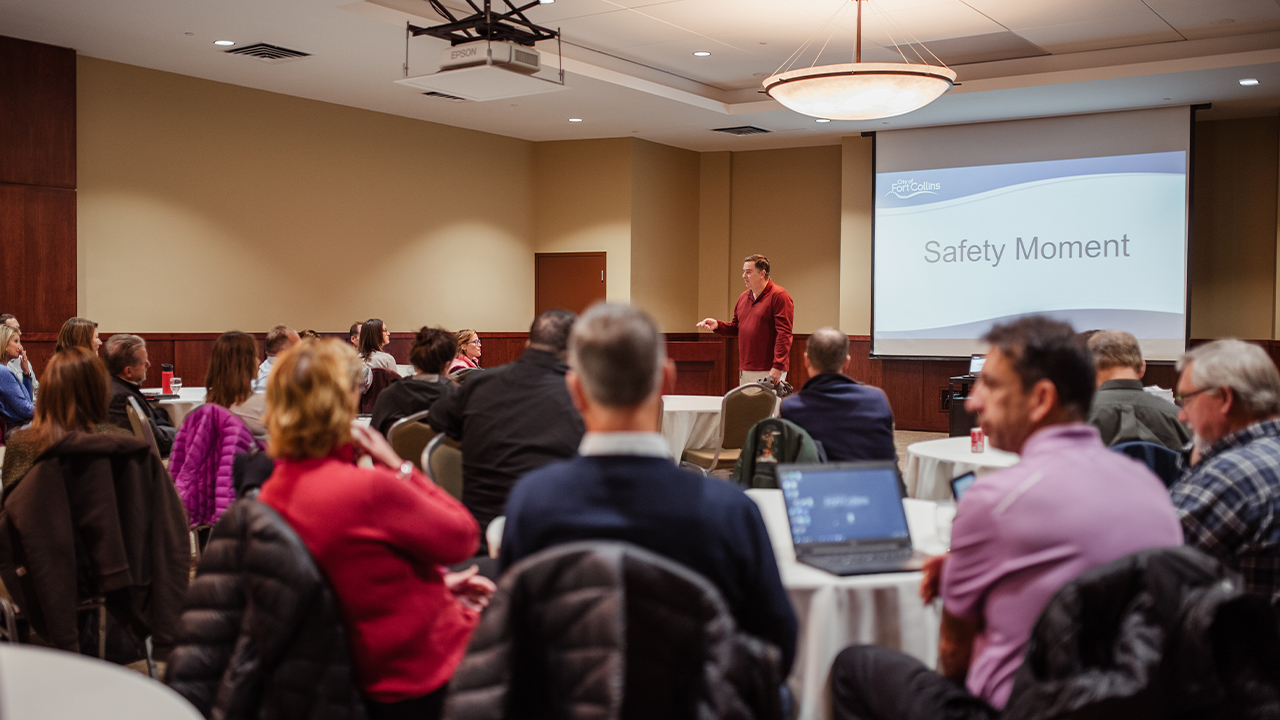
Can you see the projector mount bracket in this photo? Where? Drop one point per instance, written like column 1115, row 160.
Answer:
column 487, row 23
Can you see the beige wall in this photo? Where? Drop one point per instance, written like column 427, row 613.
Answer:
column 582, row 203
column 715, row 206
column 786, row 205
column 205, row 207
column 664, row 234
column 857, row 207
column 1233, row 254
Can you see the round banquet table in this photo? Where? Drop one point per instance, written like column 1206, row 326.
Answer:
column 690, row 422
column 932, row 464
column 55, row 685
column 189, row 398
column 835, row 612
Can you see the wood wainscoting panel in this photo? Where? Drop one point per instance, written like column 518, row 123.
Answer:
column 38, row 255
column 37, row 116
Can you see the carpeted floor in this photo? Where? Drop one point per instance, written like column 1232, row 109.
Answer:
column 903, row 438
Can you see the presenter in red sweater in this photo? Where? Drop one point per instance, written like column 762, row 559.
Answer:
column 761, row 322
column 381, row 534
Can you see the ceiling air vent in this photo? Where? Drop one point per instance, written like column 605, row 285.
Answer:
column 268, row 53
column 742, row 130
column 444, row 96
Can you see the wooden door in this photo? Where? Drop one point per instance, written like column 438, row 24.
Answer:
column 572, row 281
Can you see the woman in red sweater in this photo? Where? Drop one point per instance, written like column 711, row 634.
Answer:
column 380, row 534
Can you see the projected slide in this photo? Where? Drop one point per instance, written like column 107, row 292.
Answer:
column 1097, row 242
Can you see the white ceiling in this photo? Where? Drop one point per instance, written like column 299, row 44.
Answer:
column 631, row 72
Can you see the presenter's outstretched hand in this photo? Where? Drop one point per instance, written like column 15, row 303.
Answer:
column 709, row 324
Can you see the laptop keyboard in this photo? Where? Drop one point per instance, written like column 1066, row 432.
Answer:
column 839, row 564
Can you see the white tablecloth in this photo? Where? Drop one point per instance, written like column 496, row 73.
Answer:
column 690, row 422
column 42, row 684
column 932, row 464
column 189, row 398
column 836, row 612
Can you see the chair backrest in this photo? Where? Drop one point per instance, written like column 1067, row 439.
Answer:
column 612, row 629
column 380, row 379
column 442, row 462
column 1159, row 459
column 460, row 375
column 409, row 437
column 141, row 425
column 742, row 408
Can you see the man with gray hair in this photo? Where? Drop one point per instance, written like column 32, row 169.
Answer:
column 127, row 363
column 1227, row 499
column 625, row 486
column 1122, row 410
column 852, row 421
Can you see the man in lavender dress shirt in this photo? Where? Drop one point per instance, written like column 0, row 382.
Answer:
column 1020, row 534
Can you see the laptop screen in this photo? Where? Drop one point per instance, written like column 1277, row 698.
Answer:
column 975, row 364
column 832, row 504
column 961, row 485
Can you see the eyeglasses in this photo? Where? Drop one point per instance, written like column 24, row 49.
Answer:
column 476, row 341
column 1181, row 400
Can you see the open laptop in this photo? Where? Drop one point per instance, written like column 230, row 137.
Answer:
column 847, row 518
column 975, row 364
column 961, row 485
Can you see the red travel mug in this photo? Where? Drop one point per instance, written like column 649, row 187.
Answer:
column 166, row 374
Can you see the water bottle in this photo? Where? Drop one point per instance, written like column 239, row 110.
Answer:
column 166, row 374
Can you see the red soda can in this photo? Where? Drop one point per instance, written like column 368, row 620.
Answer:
column 975, row 440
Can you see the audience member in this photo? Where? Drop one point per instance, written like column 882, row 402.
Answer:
column 229, row 380
column 127, row 363
column 17, row 402
column 512, row 419
column 1229, row 391
column 431, row 352
column 1122, row 410
column 78, row 332
column 279, row 339
column 852, row 421
column 380, row 534
column 309, row 335
column 15, row 365
column 373, row 337
column 74, row 399
column 353, row 335
column 468, row 355
column 625, row 486
column 1020, row 534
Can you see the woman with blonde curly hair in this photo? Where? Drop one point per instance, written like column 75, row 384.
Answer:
column 380, row 534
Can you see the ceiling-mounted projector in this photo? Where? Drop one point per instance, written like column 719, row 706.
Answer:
column 502, row 54
column 490, row 54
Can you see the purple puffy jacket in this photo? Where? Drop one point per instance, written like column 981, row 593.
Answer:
column 201, row 460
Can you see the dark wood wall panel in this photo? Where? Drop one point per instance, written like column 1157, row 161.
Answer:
column 38, row 255
column 700, row 368
column 37, row 114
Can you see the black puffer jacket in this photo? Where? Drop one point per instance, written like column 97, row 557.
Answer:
column 1166, row 633
column 260, row 635
column 596, row 630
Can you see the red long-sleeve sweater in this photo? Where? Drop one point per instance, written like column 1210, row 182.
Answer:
column 763, row 328
column 381, row 540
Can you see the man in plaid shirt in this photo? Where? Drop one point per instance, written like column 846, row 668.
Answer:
column 1229, row 497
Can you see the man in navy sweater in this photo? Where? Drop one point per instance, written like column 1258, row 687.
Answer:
column 624, row 485
column 852, row 421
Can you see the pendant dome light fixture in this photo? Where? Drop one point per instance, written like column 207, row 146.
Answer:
column 858, row 90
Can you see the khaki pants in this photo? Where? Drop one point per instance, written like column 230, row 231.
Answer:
column 746, row 377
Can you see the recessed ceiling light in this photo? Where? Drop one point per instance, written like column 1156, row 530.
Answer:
column 1248, row 81
column 575, row 119
column 702, row 53
column 224, row 43
column 824, row 120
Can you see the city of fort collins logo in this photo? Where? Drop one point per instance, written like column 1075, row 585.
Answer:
column 910, row 188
